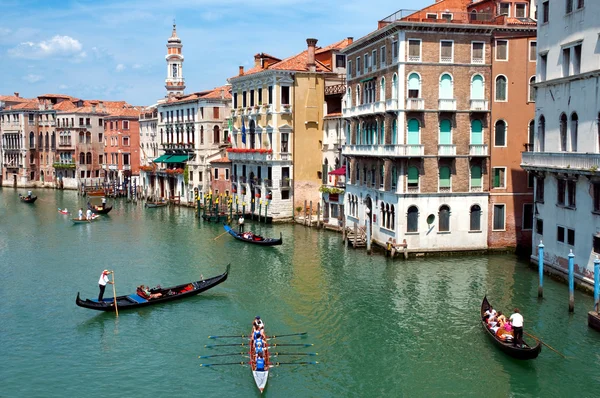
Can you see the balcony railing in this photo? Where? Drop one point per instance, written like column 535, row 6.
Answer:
column 561, row 160
column 446, row 150
column 478, row 150
column 412, row 189
column 126, row 167
column 479, row 105
column 415, row 104
column 379, row 107
column 391, row 105
column 250, row 156
column 444, row 189
column 399, row 150
column 447, row 104
column 285, row 183
column 528, row 147
column 476, row 189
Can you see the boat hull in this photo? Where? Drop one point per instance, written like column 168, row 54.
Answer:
column 152, row 205
column 104, row 210
column 95, row 217
column 260, row 378
column 27, row 200
column 262, row 242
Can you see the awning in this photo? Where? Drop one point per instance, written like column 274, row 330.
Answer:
column 177, row 159
column 161, row 159
column 368, row 79
column 338, row 172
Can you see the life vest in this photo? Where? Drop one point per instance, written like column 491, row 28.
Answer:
column 260, row 364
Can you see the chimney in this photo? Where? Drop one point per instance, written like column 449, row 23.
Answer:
column 16, row 94
column 310, row 63
column 257, row 60
column 93, row 108
column 241, row 71
column 222, row 93
column 350, row 40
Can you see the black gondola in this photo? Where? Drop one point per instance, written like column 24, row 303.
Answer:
column 99, row 209
column 168, row 294
column 28, row 199
column 255, row 239
column 525, row 352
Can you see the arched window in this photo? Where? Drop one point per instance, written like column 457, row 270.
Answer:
column 392, row 217
column 563, row 132
column 81, row 158
column 387, row 211
column 53, row 140
column 445, row 132
column 574, row 125
column 349, row 98
column 500, row 133
column 358, row 135
column 476, row 132
column 193, row 135
column 395, row 86
column 531, row 137
column 216, row 135
column 394, row 132
column 475, row 218
column 382, row 214
column 88, row 158
column 501, row 88
column 532, row 89
column 31, row 140
column 47, row 141
column 412, row 219
column 414, row 85
column 413, row 179
column 394, row 178
column 413, row 133
column 445, row 183
column 162, row 141
column 446, row 87
column 202, row 135
column 477, row 88
column 542, row 133
column 444, row 219
column 476, row 185
column 382, row 89
column 473, row 15
column 358, row 95
column 382, row 132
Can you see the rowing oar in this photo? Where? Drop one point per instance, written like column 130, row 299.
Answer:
column 246, row 336
column 276, row 354
column 540, row 340
column 222, row 355
column 245, row 345
column 287, row 335
column 293, row 363
column 220, row 364
column 224, row 337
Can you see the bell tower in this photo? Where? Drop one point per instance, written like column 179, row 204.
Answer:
column 174, row 82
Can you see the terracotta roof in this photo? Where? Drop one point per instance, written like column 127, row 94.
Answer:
column 222, row 160
column 123, row 113
column 57, row 96
column 64, row 106
column 216, row 93
column 335, row 46
column 12, row 98
column 520, row 21
column 29, row 105
column 334, row 114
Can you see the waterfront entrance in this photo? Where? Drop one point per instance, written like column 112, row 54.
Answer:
column 382, row 328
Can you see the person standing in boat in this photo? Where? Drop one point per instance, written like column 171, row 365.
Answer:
column 517, row 324
column 81, row 213
column 103, row 281
column 29, row 194
column 241, row 223
column 88, row 214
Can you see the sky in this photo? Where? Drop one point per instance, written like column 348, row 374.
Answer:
column 115, row 50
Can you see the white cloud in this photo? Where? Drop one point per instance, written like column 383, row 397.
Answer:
column 120, row 68
column 31, row 78
column 56, row 46
column 137, row 66
column 63, row 87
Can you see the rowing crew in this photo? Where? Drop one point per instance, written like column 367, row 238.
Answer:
column 258, row 341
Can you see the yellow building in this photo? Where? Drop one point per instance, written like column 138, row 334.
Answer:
column 278, row 115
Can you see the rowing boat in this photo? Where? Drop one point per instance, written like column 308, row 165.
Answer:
column 97, row 207
column 152, row 205
column 85, row 220
column 524, row 352
column 167, row 294
column 254, row 239
column 260, row 376
column 28, row 199
column 63, row 211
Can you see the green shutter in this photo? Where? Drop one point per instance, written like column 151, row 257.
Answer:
column 476, row 132
column 413, row 132
column 496, row 178
column 475, row 176
column 445, row 132
column 444, row 177
column 413, row 175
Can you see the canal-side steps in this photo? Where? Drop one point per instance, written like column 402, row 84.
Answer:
column 357, row 236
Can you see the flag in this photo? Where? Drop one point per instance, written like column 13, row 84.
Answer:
column 243, row 132
column 230, row 129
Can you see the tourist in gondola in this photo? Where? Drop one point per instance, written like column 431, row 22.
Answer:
column 517, row 324
column 103, row 278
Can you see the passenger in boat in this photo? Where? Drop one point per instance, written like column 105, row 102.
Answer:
column 516, row 320
column 500, row 320
column 260, row 362
column 88, row 214
column 505, row 332
column 259, row 346
column 81, row 213
column 247, row 235
column 241, row 223
column 490, row 311
column 258, row 322
column 492, row 321
column 148, row 294
column 103, row 281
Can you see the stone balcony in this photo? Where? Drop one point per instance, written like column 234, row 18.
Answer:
column 415, row 104
column 478, row 150
column 584, row 163
column 383, row 150
column 446, row 150
column 249, row 156
column 447, row 104
column 477, row 105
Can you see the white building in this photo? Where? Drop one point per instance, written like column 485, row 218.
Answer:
column 149, row 143
column 566, row 155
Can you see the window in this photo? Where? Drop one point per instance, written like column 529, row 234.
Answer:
column 227, row 174
column 527, row 216
column 545, row 11
column 539, row 226
column 413, row 179
column 530, row 179
column 216, row 173
column 501, row 50
column 577, row 59
column 570, row 235
column 569, row 6
column 382, row 56
column 395, row 50
column 543, row 66
column 573, row 131
column 500, row 133
column 541, row 133
column 498, row 224
column 563, row 132
column 366, row 63
column 125, row 141
column 476, row 182
column 431, row 16
column 235, row 105
column 596, row 244
column 340, row 61
column 444, row 219
column 571, row 193
column 501, row 89
column 477, row 52
column 499, row 174
column 560, row 192
column 475, row 218
column 285, row 95
column 532, row 51
column 349, row 69
column 580, row 4
column 532, row 89
column 521, row 10
column 381, row 89
column 414, row 50
column 270, row 94
column 414, row 86
column 374, row 59
column 596, row 196
column 126, row 159
column 412, row 219
column 504, row 9
column 446, row 16
column 446, row 51
column 284, row 142
column 566, row 61
column 445, row 180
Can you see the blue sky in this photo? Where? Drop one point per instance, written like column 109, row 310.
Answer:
column 115, row 50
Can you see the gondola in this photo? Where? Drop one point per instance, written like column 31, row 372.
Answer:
column 63, row 211
column 256, row 239
column 168, row 294
column 525, row 352
column 152, row 205
column 85, row 220
column 99, row 209
column 28, row 199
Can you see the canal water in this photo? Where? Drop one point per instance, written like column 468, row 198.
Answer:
column 382, row 328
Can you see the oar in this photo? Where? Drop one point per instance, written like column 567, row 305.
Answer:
column 293, row 363
column 245, row 345
column 221, row 364
column 226, row 232
column 538, row 339
column 268, row 337
column 224, row 337
column 115, row 294
column 222, row 355
column 287, row 335
column 276, row 354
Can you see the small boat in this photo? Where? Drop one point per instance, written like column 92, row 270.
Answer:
column 95, row 192
column 152, row 205
column 524, row 352
column 63, row 211
column 85, row 220
column 99, row 209
column 260, row 376
column 168, row 294
column 28, row 199
column 255, row 239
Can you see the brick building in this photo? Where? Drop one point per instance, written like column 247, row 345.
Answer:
column 220, row 177
column 122, row 145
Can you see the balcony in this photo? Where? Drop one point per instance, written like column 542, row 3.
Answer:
column 359, row 110
column 479, row 105
column 478, row 150
column 585, row 163
column 415, row 104
column 476, row 189
column 447, row 104
column 63, row 165
column 379, row 107
column 249, row 156
column 113, row 167
column 383, row 150
column 285, row 182
column 391, row 105
column 446, row 150
column 127, row 167
column 286, row 109
column 47, row 123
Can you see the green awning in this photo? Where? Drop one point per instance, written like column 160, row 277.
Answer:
column 368, row 79
column 177, row 159
column 161, row 159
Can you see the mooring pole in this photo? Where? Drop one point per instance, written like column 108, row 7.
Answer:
column 596, row 284
column 571, row 281
column 541, row 269
column 266, row 209
column 368, row 214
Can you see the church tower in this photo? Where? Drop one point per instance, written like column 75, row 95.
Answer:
column 174, row 81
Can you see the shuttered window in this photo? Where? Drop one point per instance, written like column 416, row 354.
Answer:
column 444, row 177
column 444, row 219
column 475, row 224
column 412, row 224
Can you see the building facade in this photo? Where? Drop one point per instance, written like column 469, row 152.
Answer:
column 279, row 110
column 566, row 151
column 149, row 143
column 122, row 145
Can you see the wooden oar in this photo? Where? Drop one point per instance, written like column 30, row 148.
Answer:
column 225, row 337
column 540, row 340
column 287, row 335
column 115, row 294
column 246, row 336
column 222, row 355
column 246, row 345
column 311, row 354
column 226, row 232
column 293, row 363
column 221, row 364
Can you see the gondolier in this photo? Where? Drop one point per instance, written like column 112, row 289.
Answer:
column 241, row 223
column 102, row 283
column 517, row 324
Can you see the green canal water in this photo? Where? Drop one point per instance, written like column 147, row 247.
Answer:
column 382, row 328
